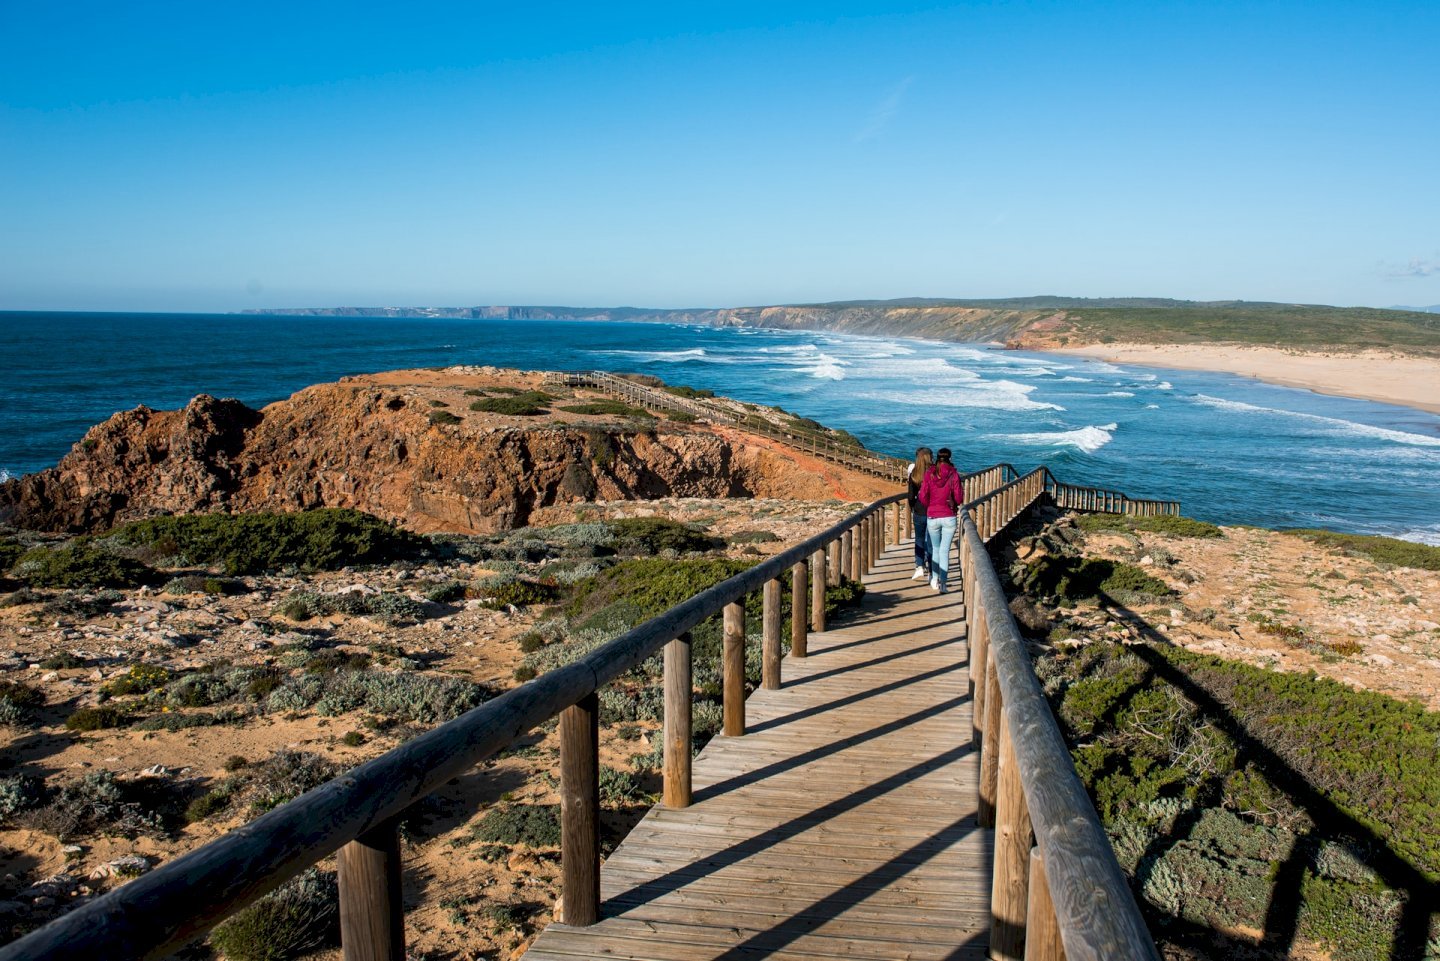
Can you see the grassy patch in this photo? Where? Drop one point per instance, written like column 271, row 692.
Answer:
column 689, row 393
column 1386, row 550
column 444, row 417
column 1208, row 773
column 324, row 539
column 1169, row 525
column 1072, row 579
column 612, row 408
column 533, row 825
column 651, row 535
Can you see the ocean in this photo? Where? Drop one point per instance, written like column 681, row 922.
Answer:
column 1231, row 449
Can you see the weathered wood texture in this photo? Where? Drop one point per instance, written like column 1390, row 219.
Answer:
column 679, row 697
column 843, row 825
column 372, row 917
column 580, row 810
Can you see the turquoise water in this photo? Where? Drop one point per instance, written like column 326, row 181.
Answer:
column 1231, row 449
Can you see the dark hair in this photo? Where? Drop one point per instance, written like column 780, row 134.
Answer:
column 943, row 455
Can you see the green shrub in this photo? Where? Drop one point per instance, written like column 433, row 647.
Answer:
column 387, row 607
column 474, row 392
column 421, row 698
column 1074, row 579
column 199, row 584
column 181, row 722
column 651, row 535
column 1386, row 550
column 446, row 593
column 518, row 593
column 20, row 694
column 138, row 680
column 81, row 604
column 99, row 803
column 531, row 641
column 533, row 825
column 11, row 551
column 689, row 393
column 681, row 417
column 509, row 406
column 296, row 919
column 648, row 586
column 1168, row 524
column 95, row 718
column 213, row 801
column 19, row 793
column 284, row 776
column 352, row 739
column 617, row 787
column 444, row 417
column 602, row 408
column 323, row 539
column 63, row 661
column 80, row 563
column 754, row 537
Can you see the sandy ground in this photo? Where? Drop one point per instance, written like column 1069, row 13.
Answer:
column 1369, row 375
column 1279, row 601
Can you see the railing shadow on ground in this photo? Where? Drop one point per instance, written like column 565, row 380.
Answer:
column 1421, row 895
column 674, row 880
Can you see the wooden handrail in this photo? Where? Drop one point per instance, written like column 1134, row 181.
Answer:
column 359, row 809
column 356, row 813
column 1029, row 790
column 890, row 468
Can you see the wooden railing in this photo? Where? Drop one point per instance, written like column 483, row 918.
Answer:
column 812, row 442
column 357, row 813
column 1028, row 790
column 1057, row 891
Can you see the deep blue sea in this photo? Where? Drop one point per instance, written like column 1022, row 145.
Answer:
column 1229, row 448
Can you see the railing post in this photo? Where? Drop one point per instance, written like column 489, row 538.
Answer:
column 580, row 811
column 679, row 690
column 770, row 636
column 1009, row 890
column 980, row 675
column 863, row 542
column 372, row 915
column 899, row 536
column 734, row 669
column 817, row 591
column 847, row 554
column 1042, row 930
column 990, row 745
column 857, row 568
column 829, row 569
column 799, row 637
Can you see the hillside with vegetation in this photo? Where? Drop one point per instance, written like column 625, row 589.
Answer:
column 1031, row 322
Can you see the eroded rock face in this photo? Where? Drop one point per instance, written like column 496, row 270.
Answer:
column 375, row 449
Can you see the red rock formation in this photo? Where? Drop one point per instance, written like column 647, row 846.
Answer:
column 371, row 446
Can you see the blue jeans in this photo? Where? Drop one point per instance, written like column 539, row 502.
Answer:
column 941, row 531
column 922, row 540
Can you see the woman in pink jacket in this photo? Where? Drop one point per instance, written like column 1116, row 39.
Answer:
column 943, row 498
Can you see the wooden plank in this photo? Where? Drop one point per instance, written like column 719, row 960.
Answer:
column 843, row 825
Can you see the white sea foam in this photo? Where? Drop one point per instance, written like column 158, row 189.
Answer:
column 1087, row 439
column 1118, row 393
column 1069, row 379
column 991, row 395
column 1422, row 535
column 1334, row 423
column 5, row 475
column 789, row 349
column 1152, row 406
column 825, row 367
column 1146, row 377
column 1164, row 385
column 668, row 356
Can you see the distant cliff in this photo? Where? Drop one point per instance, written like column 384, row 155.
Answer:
column 1029, row 322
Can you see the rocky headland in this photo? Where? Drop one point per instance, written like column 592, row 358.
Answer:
column 408, row 447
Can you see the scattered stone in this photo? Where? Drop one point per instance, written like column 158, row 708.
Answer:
column 128, row 866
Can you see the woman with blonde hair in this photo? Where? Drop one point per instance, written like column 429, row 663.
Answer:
column 916, row 477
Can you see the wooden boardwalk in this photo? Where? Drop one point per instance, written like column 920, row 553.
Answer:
column 841, row 826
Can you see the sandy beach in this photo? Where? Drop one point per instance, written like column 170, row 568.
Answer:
column 1369, row 375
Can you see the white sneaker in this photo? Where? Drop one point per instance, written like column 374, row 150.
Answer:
column 935, row 582
column 919, row 574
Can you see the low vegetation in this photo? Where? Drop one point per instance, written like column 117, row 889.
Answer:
column 324, row 539
column 612, row 408
column 79, row 564
column 299, row 917
column 1384, row 550
column 1167, row 524
column 1208, row 772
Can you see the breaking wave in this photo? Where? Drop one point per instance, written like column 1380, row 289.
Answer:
column 1087, row 439
column 991, row 395
column 1334, row 423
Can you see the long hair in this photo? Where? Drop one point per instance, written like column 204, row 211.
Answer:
column 922, row 464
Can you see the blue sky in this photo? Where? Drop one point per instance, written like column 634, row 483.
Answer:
column 184, row 156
